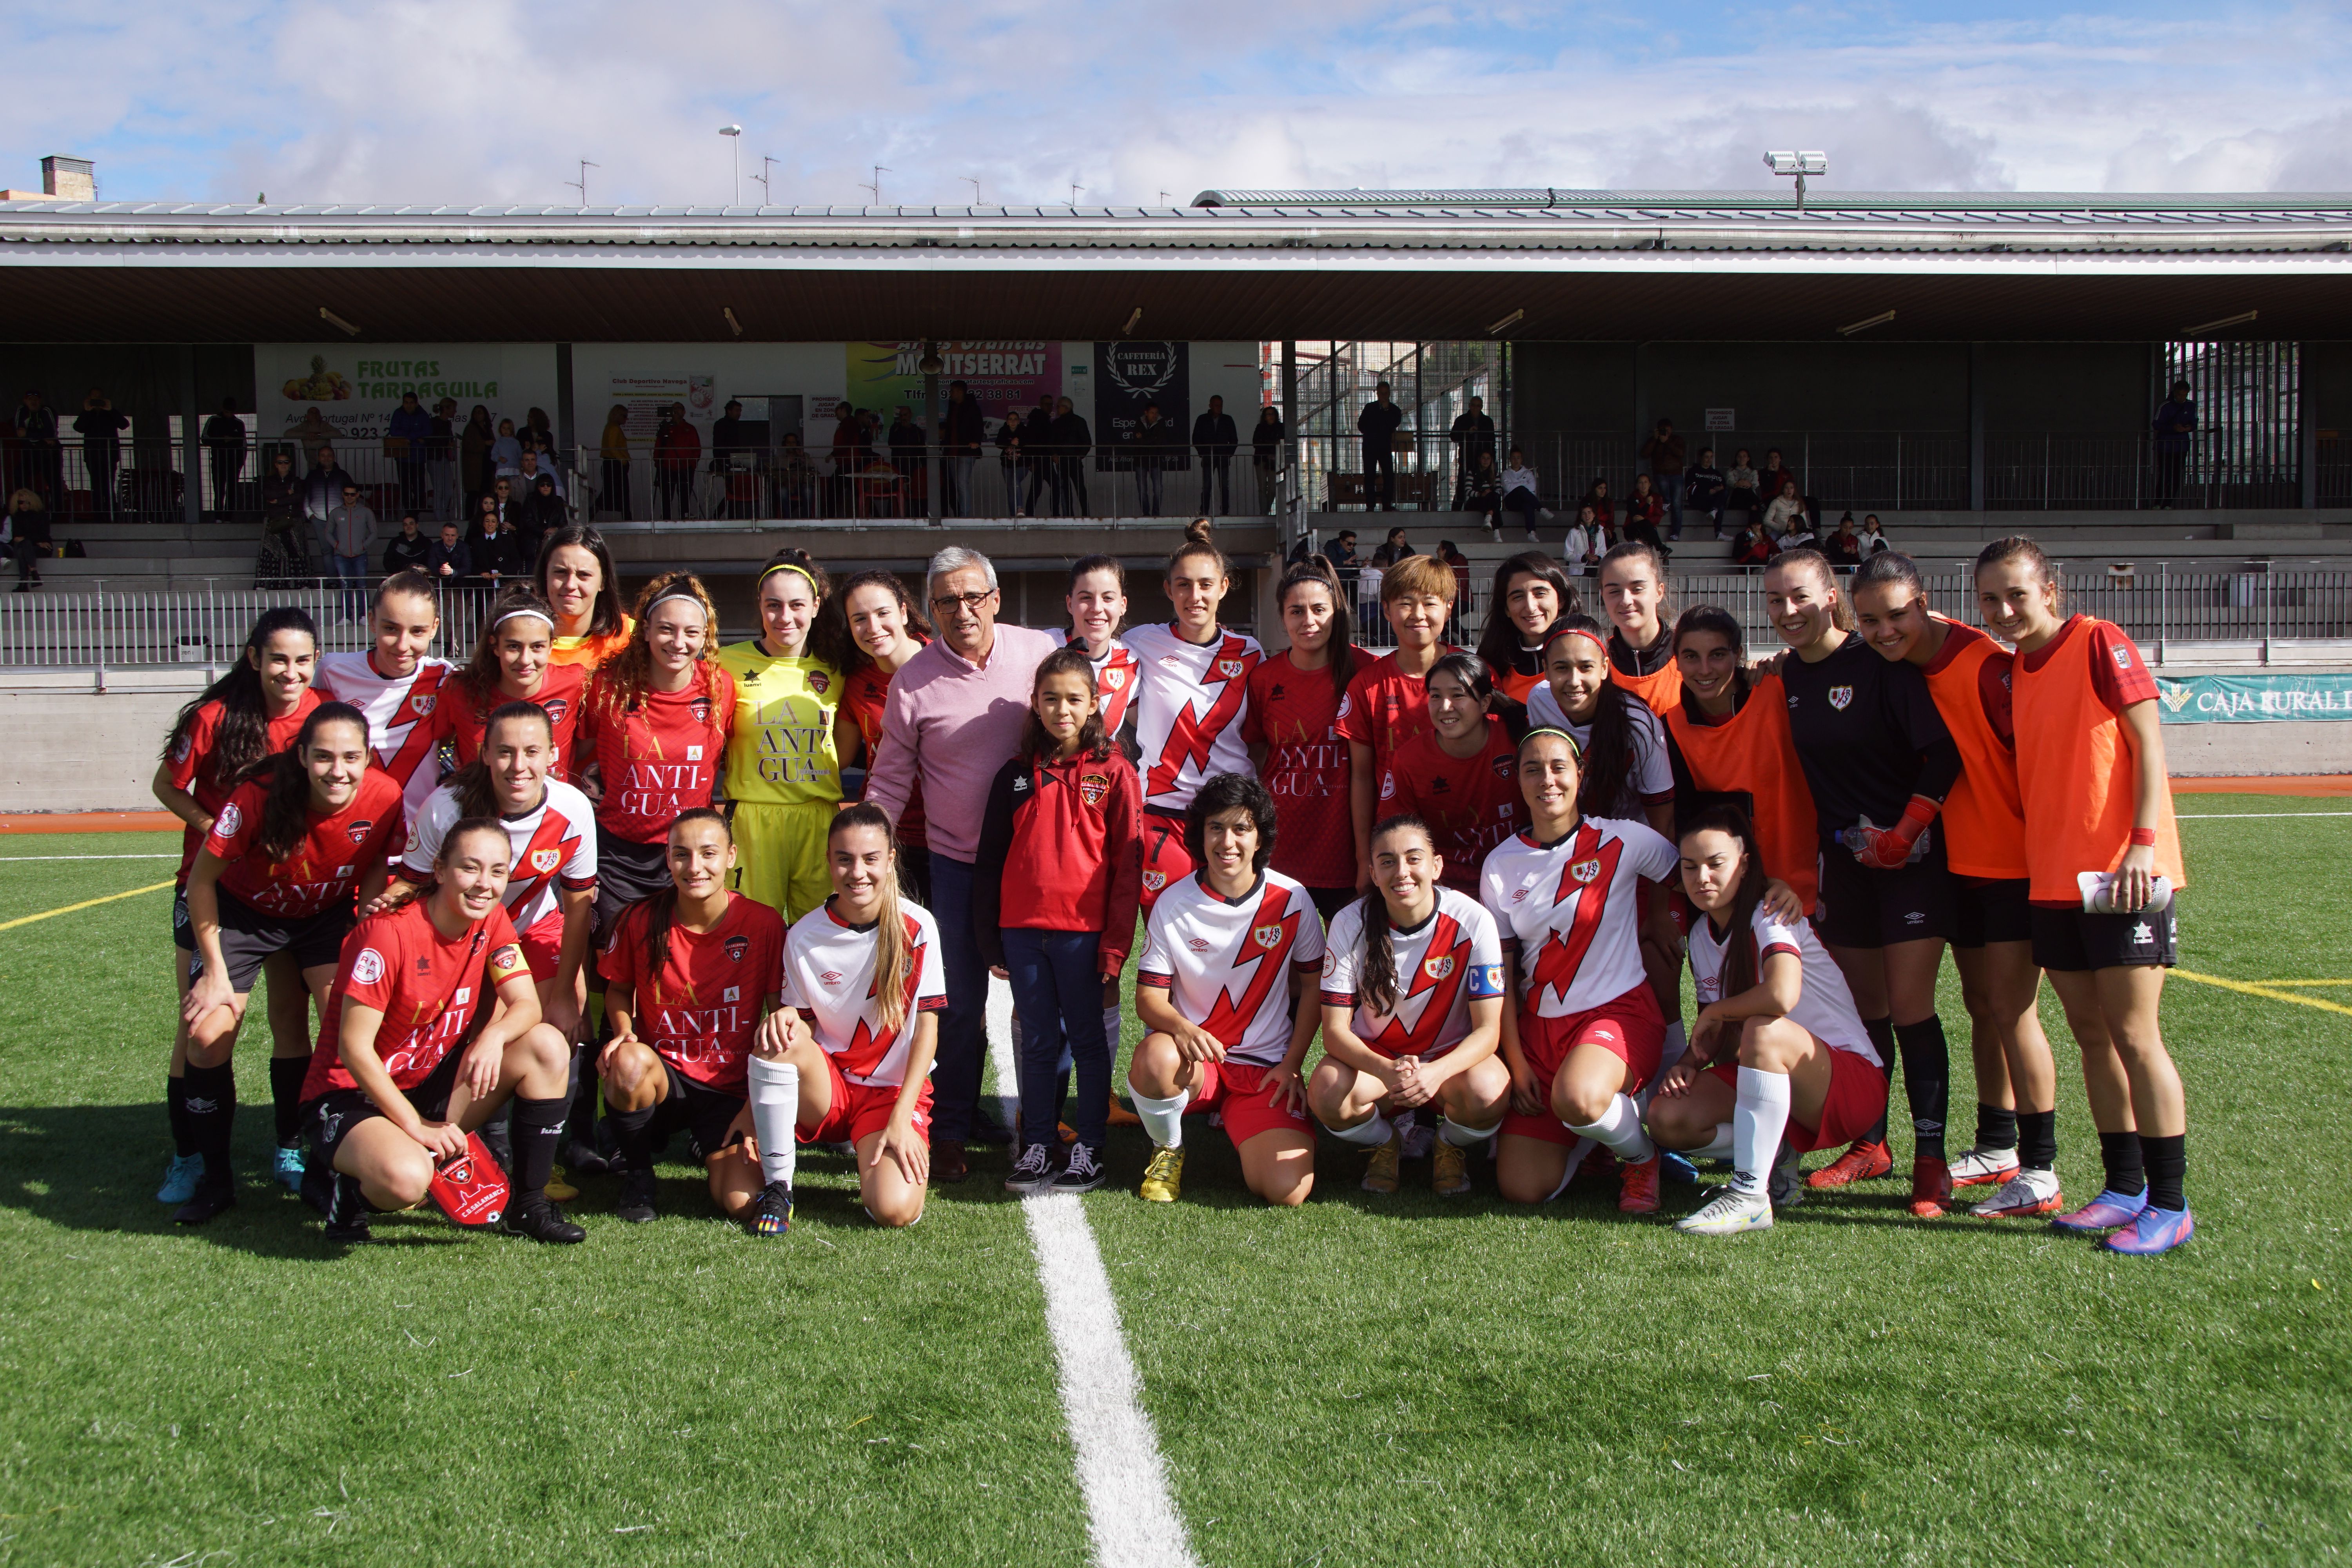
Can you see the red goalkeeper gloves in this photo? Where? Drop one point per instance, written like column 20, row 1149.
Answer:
column 1887, row 849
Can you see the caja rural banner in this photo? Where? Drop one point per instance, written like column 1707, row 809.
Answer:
column 2251, row 699
column 353, row 388
column 999, row 375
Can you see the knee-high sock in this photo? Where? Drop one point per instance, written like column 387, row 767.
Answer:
column 1882, row 1039
column 175, row 1107
column 581, row 1101
column 285, row 1076
column 1926, row 1083
column 537, row 1125
column 211, row 1100
column 2037, row 1139
column 1719, row 1147
column 1371, row 1133
column 1619, row 1131
column 633, row 1131
column 1462, row 1137
column 775, row 1094
column 1163, row 1120
column 1758, row 1120
column 1996, row 1126
column 2167, row 1170
column 2120, row 1152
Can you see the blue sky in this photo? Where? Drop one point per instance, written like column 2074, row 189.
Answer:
column 488, row 101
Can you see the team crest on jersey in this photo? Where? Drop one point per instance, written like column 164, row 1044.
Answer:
column 1267, row 936
column 1388, row 785
column 1585, row 870
column 1231, row 669
column 700, row 709
column 1155, row 880
column 737, row 946
column 1438, row 968
column 819, row 681
column 732, row 994
column 360, row 830
column 368, row 967
column 2123, row 658
column 421, row 703
column 230, row 819
column 555, row 707
column 1839, row 696
column 1503, row 766
column 1092, row 787
column 543, row 861
column 1113, row 679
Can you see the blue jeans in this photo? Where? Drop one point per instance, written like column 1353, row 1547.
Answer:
column 963, row 1025
column 352, row 570
column 1059, row 993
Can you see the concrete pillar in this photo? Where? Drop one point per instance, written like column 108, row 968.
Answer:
column 931, row 418
column 2306, row 421
column 1290, row 403
column 191, row 491
column 1976, row 428
column 564, row 437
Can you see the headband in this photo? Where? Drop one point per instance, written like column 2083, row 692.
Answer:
column 790, row 567
column 1554, row 634
column 537, row 615
column 680, row 591
column 1573, row 749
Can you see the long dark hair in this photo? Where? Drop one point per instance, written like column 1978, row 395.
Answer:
column 2017, row 547
column 661, row 907
column 477, row 795
column 1606, row 766
column 909, row 612
column 479, row 680
column 285, row 778
column 1724, row 624
column 1068, row 659
column 1498, row 644
column 828, row 639
column 1740, row 963
column 1474, row 676
column 604, row 616
column 1319, row 570
column 1376, row 975
column 243, row 738
column 1840, row 606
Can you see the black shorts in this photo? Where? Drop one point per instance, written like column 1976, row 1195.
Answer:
column 334, row 1113
column 183, row 930
column 1864, row 907
column 627, row 873
column 705, row 1114
column 1986, row 911
column 2072, row 940
column 249, row 938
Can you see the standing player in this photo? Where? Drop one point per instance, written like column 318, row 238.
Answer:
column 408, row 1065
column 1632, row 578
column 1097, row 603
column 1531, row 592
column 1728, row 738
column 783, row 754
column 886, row 630
column 848, row 1055
column 1459, row 777
column 513, row 662
column 1621, row 755
column 1878, row 760
column 1778, row 1058
column 577, row 580
column 1292, row 730
column 1191, row 699
column 1968, row 674
column 254, row 711
column 1583, row 1035
column 689, row 974
column 1388, row 701
column 1223, row 995
column 307, row 831
column 396, row 686
column 2099, row 833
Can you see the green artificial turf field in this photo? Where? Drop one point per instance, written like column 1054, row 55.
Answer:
column 1365, row 1380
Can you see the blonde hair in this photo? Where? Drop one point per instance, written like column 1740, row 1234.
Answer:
column 894, row 957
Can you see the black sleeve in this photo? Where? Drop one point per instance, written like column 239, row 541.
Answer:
column 1911, row 707
column 988, row 866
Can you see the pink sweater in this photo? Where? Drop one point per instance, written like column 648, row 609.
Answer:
column 953, row 725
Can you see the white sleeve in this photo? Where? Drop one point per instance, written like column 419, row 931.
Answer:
column 1543, row 708
column 1653, row 770
column 1773, row 936
column 1157, row 958
column 425, row 837
column 1494, row 899
column 1308, row 947
column 1485, row 955
column 1340, row 954
column 788, row 990
column 932, row 980
column 1649, row 853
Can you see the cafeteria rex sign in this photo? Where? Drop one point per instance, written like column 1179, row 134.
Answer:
column 2248, row 699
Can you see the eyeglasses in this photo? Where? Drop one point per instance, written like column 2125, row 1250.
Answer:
column 972, row 602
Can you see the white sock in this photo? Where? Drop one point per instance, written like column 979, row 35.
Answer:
column 1371, row 1133
column 1719, row 1147
column 775, row 1094
column 1575, row 1153
column 1758, row 1121
column 1162, row 1118
column 1619, row 1131
column 1462, row 1137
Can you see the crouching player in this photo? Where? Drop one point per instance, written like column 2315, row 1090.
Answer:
column 1412, row 1010
column 1779, row 1047
column 408, row 1065
column 1219, row 991
column 689, row 973
column 847, row 1057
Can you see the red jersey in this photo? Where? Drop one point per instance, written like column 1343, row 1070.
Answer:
column 191, row 763
column 1295, row 713
column 1061, row 849
column 659, row 758
column 427, row 986
column 462, row 717
column 325, row 868
column 700, row 1012
column 1471, row 804
column 1385, row 708
column 862, row 697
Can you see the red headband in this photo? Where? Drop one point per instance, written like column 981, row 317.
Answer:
column 1587, row 632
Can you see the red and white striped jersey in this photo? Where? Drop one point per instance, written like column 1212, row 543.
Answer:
column 1189, row 709
column 1572, row 909
column 829, row 977
column 1454, row 955
column 553, row 847
column 1825, row 1006
column 1114, row 681
column 1225, row 963
column 399, row 714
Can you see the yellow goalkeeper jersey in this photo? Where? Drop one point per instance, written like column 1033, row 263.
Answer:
column 781, row 751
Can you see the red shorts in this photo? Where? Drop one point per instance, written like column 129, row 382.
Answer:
column 1237, row 1090
column 1857, row 1098
column 1629, row 1029
column 542, row 947
column 1165, row 859
column 862, row 1109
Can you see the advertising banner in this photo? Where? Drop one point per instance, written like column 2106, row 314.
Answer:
column 647, row 397
column 998, row 375
column 1127, row 376
column 349, row 391
column 2252, row 699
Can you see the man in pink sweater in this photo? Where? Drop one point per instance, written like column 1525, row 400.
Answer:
column 952, row 720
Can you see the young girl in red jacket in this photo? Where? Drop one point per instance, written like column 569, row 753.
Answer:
column 1055, row 890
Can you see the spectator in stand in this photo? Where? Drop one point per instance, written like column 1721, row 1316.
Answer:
column 1342, row 556
column 322, row 493
column 1461, row 564
column 1522, row 495
column 537, row 434
column 1873, row 539
column 1800, row 534
column 962, row 430
column 1775, row 471
column 908, row 446
column 1646, row 505
column 40, row 457
column 474, row 443
column 448, row 560
column 350, row 530
column 613, row 450
column 1604, row 511
column 1378, row 425
column 1740, row 481
column 1473, row 433
column 101, row 426
column 1214, row 441
column 677, row 453
column 795, row 478
column 1663, row 452
column 1071, row 443
column 498, row 557
column 281, row 506
column 1481, row 492
column 1266, row 452
column 729, row 438
column 1393, row 549
column 404, row 438
column 536, row 467
column 506, row 453
column 409, row 549
column 541, row 512
column 2174, row 423
column 1152, row 442
column 1703, row 488
column 224, row 439
column 25, row 535
column 1844, row 547
column 1040, row 471
column 1752, row 546
column 1588, row 540
column 441, row 459
column 1011, row 437
column 1785, row 514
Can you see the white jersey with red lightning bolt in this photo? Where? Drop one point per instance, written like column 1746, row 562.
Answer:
column 397, row 708
column 1114, row 681
column 1442, row 964
column 1572, row 907
column 1188, row 710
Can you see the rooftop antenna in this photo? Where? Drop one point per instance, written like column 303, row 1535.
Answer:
column 581, row 184
column 875, row 184
column 974, row 181
column 767, row 168
column 1075, row 189
column 1800, row 164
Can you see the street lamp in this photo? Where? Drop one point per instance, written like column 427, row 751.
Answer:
column 1800, row 164
column 734, row 134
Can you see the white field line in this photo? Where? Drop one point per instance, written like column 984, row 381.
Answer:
column 1130, row 1518
column 6, row 859
column 2234, row 816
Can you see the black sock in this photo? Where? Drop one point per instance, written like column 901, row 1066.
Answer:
column 582, row 1120
column 1881, row 1038
column 175, row 1107
column 2167, row 1169
column 537, row 1125
column 1996, row 1126
column 633, row 1133
column 2037, row 1140
column 2120, row 1152
column 1927, row 1083
column 211, row 1100
column 285, row 1076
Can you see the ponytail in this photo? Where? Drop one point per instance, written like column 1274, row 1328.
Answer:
column 1740, row 963
column 894, row 959
column 1376, row 973
column 243, row 739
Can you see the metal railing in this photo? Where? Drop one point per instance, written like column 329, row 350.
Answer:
column 101, row 631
